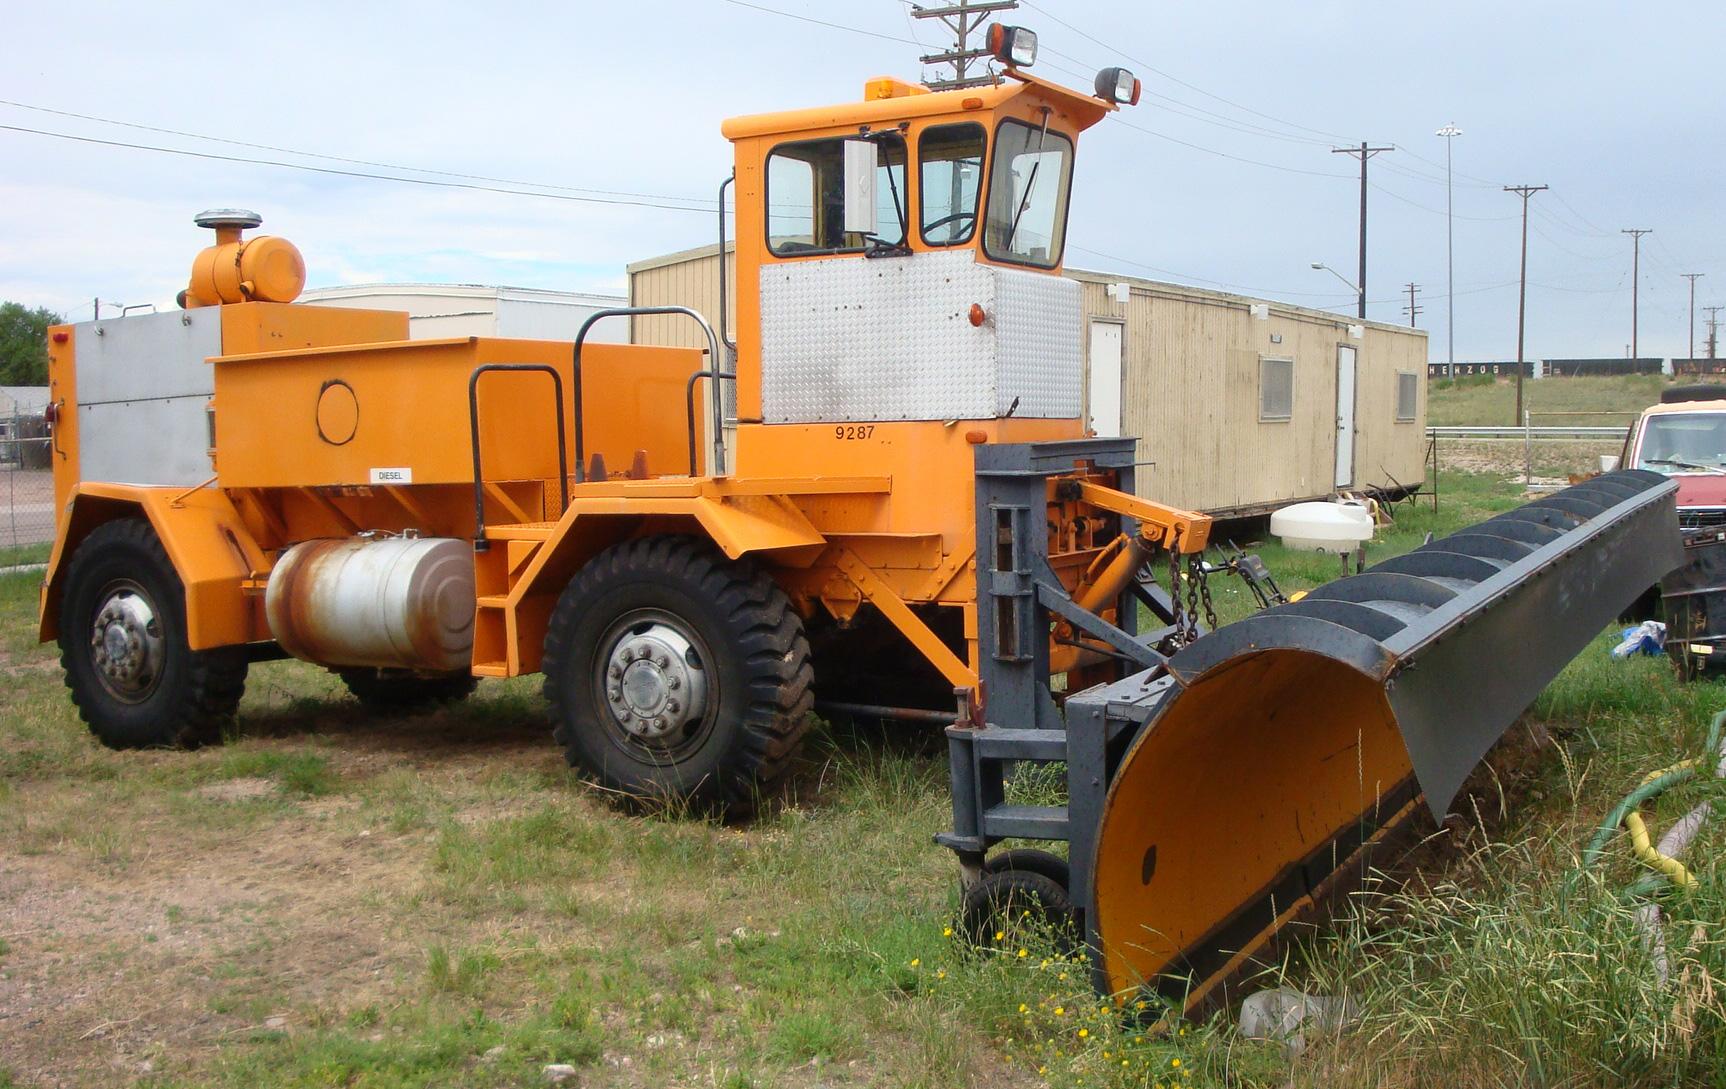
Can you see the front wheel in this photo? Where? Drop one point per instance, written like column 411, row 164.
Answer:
column 135, row 679
column 675, row 673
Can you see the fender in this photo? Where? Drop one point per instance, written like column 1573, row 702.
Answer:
column 210, row 547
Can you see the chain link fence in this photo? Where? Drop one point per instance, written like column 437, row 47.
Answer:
column 26, row 489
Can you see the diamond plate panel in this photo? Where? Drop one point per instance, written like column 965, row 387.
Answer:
column 1038, row 355
column 854, row 339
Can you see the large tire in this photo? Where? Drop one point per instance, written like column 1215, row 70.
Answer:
column 404, row 692
column 719, row 684
column 136, row 682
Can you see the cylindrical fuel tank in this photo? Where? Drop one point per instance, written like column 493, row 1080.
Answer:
column 393, row 602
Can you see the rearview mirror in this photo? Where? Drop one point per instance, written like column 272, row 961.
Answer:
column 1609, row 463
column 859, row 187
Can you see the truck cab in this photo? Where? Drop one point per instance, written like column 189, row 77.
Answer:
column 1684, row 437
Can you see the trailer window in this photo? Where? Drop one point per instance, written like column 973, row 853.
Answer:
column 806, row 197
column 949, row 177
column 1028, row 184
column 1276, row 390
column 1407, row 396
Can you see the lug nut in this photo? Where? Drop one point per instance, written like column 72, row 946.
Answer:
column 661, row 661
column 674, row 682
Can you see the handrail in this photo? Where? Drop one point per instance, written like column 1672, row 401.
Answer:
column 724, row 316
column 689, row 405
column 480, row 544
column 646, row 311
column 1491, row 432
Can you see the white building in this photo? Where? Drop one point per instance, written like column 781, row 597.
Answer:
column 474, row 310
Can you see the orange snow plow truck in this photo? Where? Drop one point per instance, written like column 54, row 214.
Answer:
column 879, row 489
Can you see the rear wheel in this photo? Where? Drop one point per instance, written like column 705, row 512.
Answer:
column 403, row 691
column 135, row 680
column 677, row 674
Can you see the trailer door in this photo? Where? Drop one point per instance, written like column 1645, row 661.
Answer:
column 1345, row 359
column 1105, row 378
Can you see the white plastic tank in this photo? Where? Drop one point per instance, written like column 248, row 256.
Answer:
column 391, row 602
column 1340, row 527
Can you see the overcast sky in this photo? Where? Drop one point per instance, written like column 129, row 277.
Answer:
column 1615, row 106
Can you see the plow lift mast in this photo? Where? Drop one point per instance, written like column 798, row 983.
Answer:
column 906, row 511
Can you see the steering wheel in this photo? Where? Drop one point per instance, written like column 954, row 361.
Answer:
column 952, row 235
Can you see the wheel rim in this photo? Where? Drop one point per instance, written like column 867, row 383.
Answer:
column 654, row 686
column 126, row 643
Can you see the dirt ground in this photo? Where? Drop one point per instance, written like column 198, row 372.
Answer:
column 182, row 938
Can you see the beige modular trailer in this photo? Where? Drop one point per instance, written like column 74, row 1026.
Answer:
column 1240, row 405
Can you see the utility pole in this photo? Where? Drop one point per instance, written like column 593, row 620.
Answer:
column 1692, row 277
column 1523, row 191
column 963, row 18
column 1363, row 153
column 1635, row 234
column 1450, row 132
column 1713, row 313
column 1411, row 308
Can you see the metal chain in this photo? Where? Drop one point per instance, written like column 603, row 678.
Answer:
column 1177, row 621
column 1197, row 565
column 1192, row 601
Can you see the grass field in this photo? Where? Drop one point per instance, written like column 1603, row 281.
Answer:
column 1609, row 400
column 332, row 899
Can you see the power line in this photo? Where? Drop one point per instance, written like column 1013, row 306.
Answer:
column 964, row 19
column 337, row 158
column 1141, row 64
column 1523, row 191
column 1410, row 308
column 820, row 22
column 1635, row 234
column 1363, row 153
column 432, row 182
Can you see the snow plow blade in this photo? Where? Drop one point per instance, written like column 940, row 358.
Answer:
column 1278, row 748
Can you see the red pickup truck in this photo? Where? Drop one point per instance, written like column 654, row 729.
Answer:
column 1684, row 436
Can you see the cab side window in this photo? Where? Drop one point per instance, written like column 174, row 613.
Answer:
column 806, row 197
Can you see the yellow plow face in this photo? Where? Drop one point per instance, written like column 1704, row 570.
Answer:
column 1263, row 760
column 1267, row 756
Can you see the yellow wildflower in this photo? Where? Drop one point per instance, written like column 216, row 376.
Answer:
column 1084, row 1033
column 947, row 932
column 1023, row 954
column 1176, row 1063
column 1060, row 1011
column 915, row 961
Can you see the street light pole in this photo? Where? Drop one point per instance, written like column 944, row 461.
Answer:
column 1350, row 284
column 1450, row 132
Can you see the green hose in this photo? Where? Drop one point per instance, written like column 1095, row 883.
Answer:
column 1647, row 790
column 1656, row 784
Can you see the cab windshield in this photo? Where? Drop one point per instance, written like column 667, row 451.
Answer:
column 1029, row 177
column 1684, row 442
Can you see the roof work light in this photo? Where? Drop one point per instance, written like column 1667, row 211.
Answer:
column 1119, row 86
column 1013, row 45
